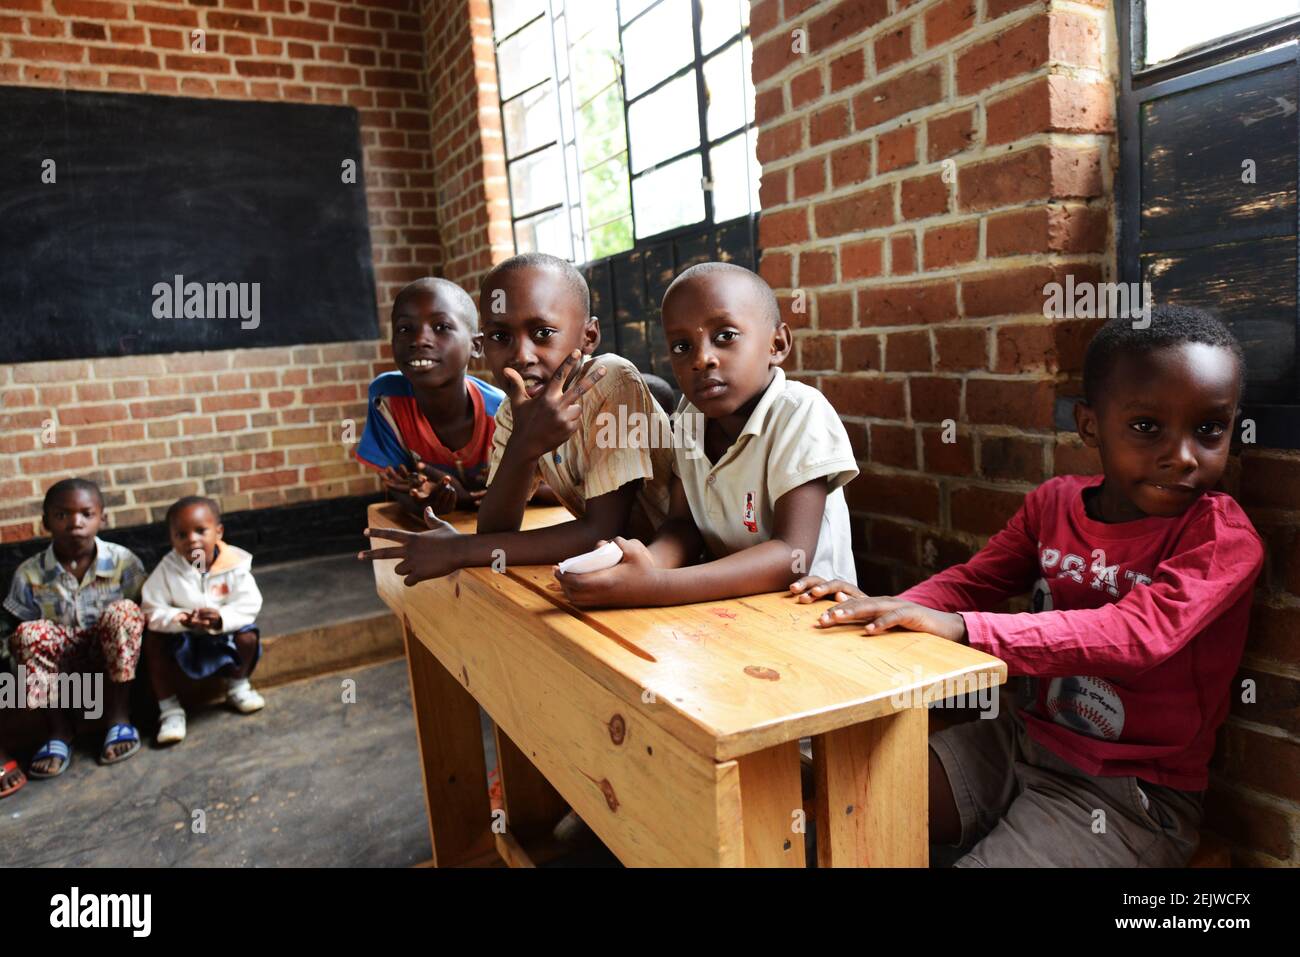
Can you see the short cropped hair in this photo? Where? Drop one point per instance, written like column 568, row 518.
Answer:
column 181, row 504
column 762, row 290
column 71, row 485
column 1170, row 326
column 567, row 271
column 464, row 304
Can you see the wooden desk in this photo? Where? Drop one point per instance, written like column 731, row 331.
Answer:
column 673, row 732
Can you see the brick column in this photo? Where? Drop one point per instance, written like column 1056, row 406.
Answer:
column 927, row 168
column 473, row 200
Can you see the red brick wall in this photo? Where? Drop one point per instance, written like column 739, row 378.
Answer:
column 254, row 427
column 915, row 293
column 469, row 156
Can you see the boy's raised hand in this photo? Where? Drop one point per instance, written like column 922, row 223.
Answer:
column 881, row 614
column 812, row 587
column 545, row 421
column 423, row 555
column 630, row 582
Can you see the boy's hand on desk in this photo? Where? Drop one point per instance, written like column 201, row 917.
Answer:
column 401, row 479
column 627, row 583
column 545, row 421
column 441, row 495
column 881, row 614
column 423, row 555
column 811, row 587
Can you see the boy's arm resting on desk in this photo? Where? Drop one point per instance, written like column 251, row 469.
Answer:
column 1150, row 624
column 442, row 550
column 1002, row 569
column 769, row 566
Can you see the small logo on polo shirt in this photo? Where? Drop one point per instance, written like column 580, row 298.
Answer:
column 751, row 521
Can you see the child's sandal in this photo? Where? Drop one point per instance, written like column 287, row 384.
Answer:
column 118, row 734
column 53, row 748
column 9, row 768
column 171, row 726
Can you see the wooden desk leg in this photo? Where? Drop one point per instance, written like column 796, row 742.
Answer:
column 451, row 752
column 533, row 807
column 769, row 797
column 872, row 798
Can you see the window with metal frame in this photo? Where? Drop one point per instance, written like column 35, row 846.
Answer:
column 625, row 121
column 1209, row 176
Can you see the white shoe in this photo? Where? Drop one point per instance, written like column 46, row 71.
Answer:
column 171, row 729
column 245, row 700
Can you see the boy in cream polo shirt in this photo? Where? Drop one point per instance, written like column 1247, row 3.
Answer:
column 763, row 492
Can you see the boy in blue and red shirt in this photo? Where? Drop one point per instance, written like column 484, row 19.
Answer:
column 429, row 425
column 1141, row 580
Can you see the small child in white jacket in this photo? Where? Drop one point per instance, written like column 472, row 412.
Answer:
column 202, row 605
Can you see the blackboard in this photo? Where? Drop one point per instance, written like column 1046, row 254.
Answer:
column 225, row 194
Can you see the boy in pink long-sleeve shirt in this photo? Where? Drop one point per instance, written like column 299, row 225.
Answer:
column 1141, row 582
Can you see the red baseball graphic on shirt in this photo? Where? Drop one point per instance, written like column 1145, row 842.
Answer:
column 751, row 522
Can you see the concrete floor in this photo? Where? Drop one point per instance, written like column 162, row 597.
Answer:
column 308, row 781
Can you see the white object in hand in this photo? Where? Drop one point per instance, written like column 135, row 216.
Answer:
column 607, row 556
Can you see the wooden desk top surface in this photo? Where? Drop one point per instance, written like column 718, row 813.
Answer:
column 736, row 675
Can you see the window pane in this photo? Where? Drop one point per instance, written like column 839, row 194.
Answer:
column 530, row 120
column 735, row 170
column 658, row 44
column 547, row 233
column 1174, row 26
column 524, row 59
column 1193, row 144
column 669, row 197
column 630, row 8
column 600, row 127
column 604, row 192
column 610, row 239
column 1252, row 287
column 537, row 181
column 509, row 15
column 721, row 20
column 730, row 97
column 595, row 60
column 664, row 123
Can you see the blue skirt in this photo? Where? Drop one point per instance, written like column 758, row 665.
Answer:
column 201, row 655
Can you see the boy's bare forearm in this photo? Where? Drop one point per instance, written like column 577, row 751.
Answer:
column 538, row 546
column 502, row 508
column 751, row 571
